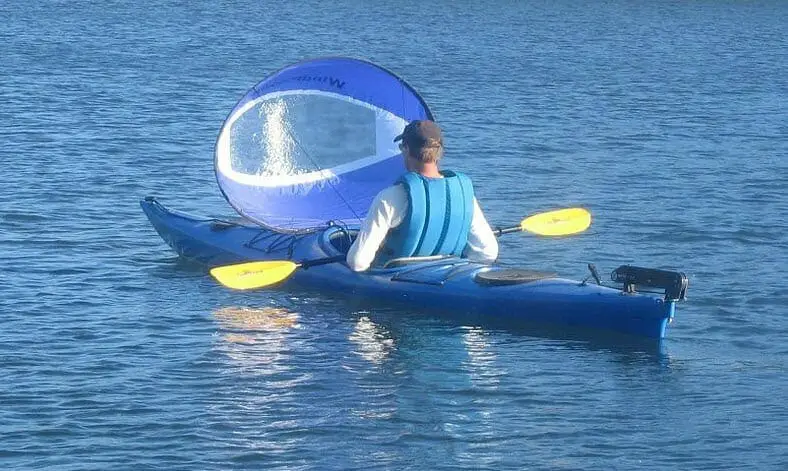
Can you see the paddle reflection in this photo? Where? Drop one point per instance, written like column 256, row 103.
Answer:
column 250, row 320
column 255, row 344
column 255, row 338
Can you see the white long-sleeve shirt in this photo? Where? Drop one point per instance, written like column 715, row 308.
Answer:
column 388, row 210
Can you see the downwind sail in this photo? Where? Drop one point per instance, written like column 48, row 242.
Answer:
column 313, row 143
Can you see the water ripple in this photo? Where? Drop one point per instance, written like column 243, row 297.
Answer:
column 666, row 120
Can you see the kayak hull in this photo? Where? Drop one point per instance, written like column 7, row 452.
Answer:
column 449, row 285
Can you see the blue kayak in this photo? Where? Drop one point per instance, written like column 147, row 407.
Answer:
column 452, row 285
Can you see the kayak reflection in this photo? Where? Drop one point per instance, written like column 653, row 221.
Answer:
column 477, row 334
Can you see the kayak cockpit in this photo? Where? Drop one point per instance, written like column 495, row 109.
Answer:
column 336, row 240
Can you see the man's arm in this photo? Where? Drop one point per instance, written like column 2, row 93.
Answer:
column 482, row 243
column 384, row 214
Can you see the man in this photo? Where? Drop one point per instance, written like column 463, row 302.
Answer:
column 427, row 212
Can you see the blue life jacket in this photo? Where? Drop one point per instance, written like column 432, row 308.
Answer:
column 439, row 217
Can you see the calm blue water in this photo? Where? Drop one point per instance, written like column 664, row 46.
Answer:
column 667, row 119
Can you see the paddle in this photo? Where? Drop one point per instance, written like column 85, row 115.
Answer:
column 252, row 275
column 552, row 223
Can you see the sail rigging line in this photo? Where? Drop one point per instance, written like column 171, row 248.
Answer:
column 320, row 169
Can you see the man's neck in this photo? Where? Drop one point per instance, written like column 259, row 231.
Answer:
column 429, row 171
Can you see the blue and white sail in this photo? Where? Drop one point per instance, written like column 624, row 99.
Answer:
column 313, row 143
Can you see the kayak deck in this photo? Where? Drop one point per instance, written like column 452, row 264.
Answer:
column 453, row 285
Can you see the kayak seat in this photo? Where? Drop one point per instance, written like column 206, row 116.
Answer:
column 510, row 276
column 403, row 261
column 342, row 239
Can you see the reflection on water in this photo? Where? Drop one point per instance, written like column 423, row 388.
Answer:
column 256, row 319
column 481, row 364
column 259, row 402
column 374, row 343
column 256, row 338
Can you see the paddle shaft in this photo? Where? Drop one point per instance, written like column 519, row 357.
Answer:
column 507, row 230
column 263, row 273
column 322, row 261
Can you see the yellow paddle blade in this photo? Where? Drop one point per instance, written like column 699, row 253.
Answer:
column 558, row 222
column 253, row 274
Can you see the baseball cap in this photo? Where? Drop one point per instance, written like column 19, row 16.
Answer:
column 421, row 133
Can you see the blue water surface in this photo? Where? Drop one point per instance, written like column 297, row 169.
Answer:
column 667, row 119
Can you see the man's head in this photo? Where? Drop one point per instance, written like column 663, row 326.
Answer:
column 422, row 141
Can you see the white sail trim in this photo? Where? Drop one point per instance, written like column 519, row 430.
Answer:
column 387, row 126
